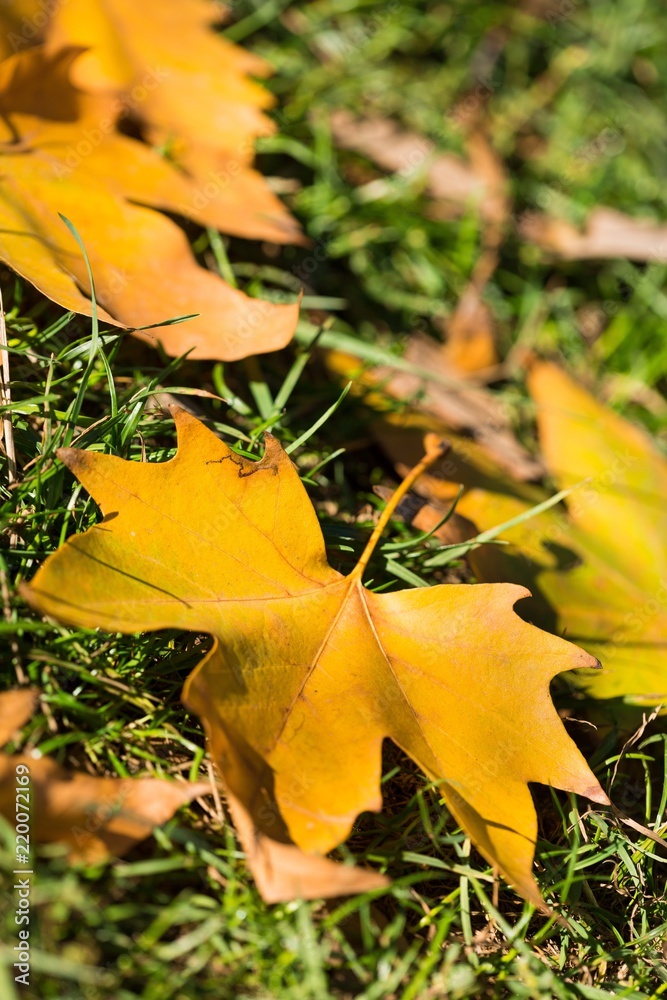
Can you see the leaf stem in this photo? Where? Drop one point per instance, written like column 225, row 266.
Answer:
column 435, row 448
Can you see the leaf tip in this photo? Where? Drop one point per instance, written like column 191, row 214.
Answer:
column 512, row 591
column 596, row 793
column 272, row 447
column 184, row 420
column 71, row 457
column 27, row 594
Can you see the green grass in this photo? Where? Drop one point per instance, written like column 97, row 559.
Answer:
column 179, row 918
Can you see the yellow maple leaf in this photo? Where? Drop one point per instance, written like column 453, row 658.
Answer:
column 310, row 670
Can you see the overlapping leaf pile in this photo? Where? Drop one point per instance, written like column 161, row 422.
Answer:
column 310, row 671
column 160, row 68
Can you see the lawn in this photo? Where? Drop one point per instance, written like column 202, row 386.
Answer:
column 576, row 104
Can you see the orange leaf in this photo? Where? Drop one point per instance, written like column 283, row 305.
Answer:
column 16, row 707
column 96, row 817
column 61, row 154
column 20, row 24
column 310, row 671
column 188, row 86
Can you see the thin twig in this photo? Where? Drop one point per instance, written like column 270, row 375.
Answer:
column 6, row 399
column 216, row 794
column 8, row 442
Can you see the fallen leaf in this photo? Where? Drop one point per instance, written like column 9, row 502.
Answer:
column 470, row 335
column 450, row 405
column 310, row 671
column 62, row 154
column 488, row 166
column 202, row 71
column 622, row 513
column 16, row 707
column 470, row 330
column 454, row 182
column 188, row 89
column 607, row 233
column 597, row 565
column 449, row 177
column 96, row 817
column 281, row 870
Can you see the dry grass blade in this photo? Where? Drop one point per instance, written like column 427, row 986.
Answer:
column 6, row 400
